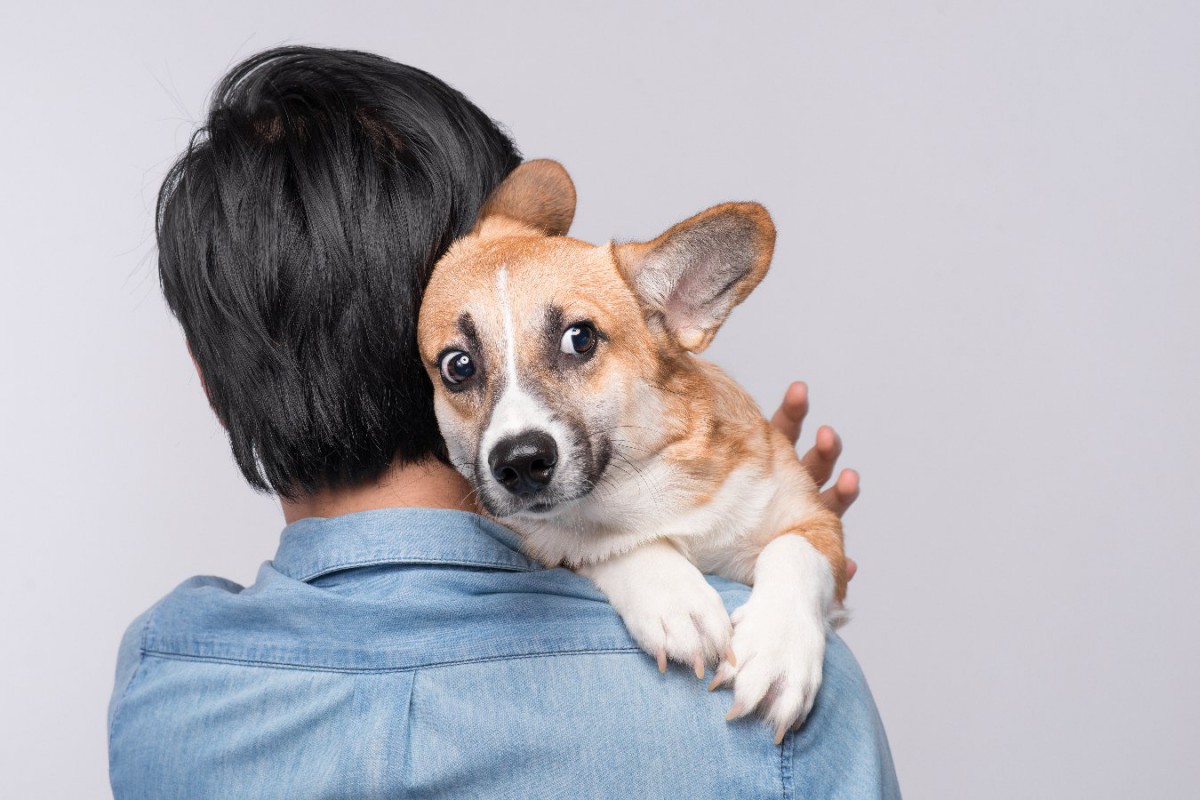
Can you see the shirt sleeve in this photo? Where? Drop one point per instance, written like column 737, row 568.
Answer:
column 842, row 750
column 129, row 658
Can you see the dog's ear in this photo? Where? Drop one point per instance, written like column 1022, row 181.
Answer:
column 538, row 195
column 696, row 272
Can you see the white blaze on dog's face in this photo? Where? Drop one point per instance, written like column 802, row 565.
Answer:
column 545, row 351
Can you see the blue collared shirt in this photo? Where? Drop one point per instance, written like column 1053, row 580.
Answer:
column 418, row 653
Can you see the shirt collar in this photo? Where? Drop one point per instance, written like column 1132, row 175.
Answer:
column 315, row 546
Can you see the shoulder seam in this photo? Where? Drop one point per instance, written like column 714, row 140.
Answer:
column 376, row 562
column 244, row 662
column 785, row 767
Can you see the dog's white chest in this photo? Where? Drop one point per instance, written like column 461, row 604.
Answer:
column 656, row 502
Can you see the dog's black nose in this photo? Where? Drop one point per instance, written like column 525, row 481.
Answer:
column 524, row 463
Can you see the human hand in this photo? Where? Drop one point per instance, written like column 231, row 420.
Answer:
column 821, row 459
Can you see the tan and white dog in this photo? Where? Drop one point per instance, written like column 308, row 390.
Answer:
column 569, row 397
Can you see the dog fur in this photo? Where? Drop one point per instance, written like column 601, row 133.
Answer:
column 664, row 467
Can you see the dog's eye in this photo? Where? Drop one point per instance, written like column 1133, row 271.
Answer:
column 578, row 339
column 457, row 366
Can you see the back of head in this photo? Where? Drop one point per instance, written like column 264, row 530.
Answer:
column 296, row 235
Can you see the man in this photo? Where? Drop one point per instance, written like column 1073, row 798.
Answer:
column 398, row 644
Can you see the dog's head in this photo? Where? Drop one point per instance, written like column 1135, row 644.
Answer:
column 548, row 354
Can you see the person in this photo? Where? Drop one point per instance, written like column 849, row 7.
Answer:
column 399, row 644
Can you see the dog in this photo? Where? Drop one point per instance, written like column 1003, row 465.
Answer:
column 569, row 396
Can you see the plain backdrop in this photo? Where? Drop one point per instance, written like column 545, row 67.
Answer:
column 989, row 218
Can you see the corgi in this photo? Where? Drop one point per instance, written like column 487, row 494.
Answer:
column 569, row 395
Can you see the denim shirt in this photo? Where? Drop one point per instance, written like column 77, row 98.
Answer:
column 418, row 653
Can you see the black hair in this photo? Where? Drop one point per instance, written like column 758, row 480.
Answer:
column 296, row 235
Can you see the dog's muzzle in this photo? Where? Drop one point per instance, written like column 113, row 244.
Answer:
column 524, row 463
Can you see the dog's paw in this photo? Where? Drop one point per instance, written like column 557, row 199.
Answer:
column 678, row 617
column 776, row 668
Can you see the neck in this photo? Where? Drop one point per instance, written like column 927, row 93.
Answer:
column 427, row 484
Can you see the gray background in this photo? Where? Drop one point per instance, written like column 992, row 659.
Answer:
column 987, row 266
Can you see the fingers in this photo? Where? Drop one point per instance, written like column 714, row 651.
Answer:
column 792, row 411
column 822, row 458
column 839, row 497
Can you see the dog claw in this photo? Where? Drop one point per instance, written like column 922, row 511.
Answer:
column 780, row 732
column 699, row 666
column 730, row 657
column 735, row 711
column 662, row 660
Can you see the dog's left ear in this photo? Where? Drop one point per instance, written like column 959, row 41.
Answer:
column 538, row 195
column 696, row 272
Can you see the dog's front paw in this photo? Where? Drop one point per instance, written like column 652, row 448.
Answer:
column 778, row 657
column 678, row 617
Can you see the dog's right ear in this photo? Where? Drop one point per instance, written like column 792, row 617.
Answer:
column 538, row 195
